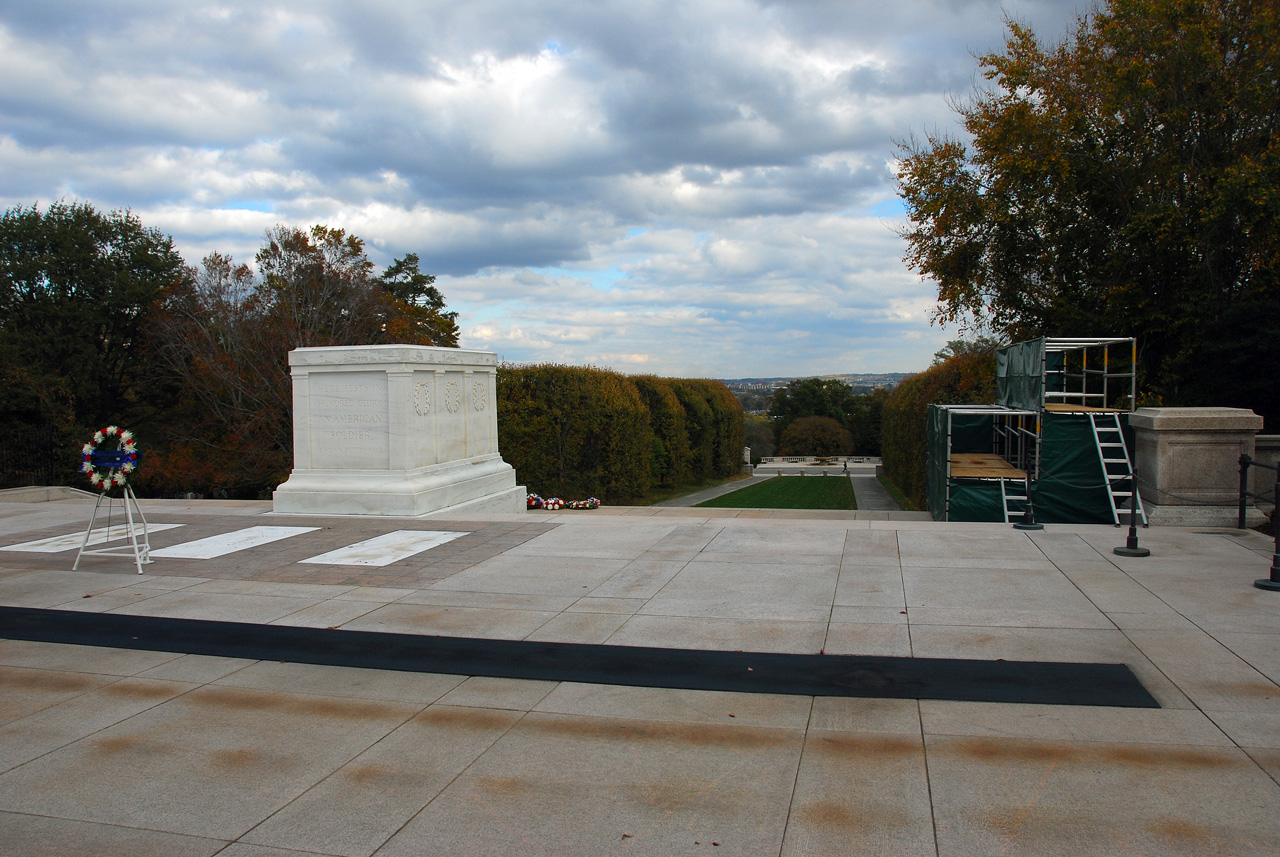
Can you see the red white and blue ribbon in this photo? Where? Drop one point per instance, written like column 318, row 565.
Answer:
column 109, row 467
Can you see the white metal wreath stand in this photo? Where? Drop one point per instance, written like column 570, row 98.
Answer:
column 139, row 549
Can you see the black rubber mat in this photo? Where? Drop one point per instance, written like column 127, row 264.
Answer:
column 1050, row 683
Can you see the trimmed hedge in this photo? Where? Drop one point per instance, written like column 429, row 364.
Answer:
column 713, row 419
column 576, row 432
column 962, row 380
column 700, row 426
column 670, row 463
column 730, row 436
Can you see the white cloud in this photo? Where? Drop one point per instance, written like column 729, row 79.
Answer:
column 696, row 187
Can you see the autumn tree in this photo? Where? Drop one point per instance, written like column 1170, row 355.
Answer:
column 758, row 435
column 957, row 347
column 867, row 428
column 226, row 332
column 1119, row 183
column 809, row 397
column 417, row 313
column 967, row 378
column 816, row 436
column 77, row 287
column 217, row 338
column 828, row 397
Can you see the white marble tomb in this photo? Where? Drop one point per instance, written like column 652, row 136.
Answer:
column 396, row 430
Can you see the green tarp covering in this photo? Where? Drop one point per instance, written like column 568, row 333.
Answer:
column 968, row 433
column 971, row 433
column 1020, row 375
column 1070, row 489
column 975, row 500
column 1054, row 379
column 937, row 453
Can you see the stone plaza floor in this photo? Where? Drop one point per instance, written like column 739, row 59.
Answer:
column 110, row 751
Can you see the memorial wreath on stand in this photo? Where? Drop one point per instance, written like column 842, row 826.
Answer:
column 109, row 468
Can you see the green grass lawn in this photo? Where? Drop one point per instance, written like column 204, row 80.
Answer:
column 791, row 492
column 657, row 495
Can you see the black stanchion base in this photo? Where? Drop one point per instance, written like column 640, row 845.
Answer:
column 1131, row 552
column 1028, row 526
column 1268, row 583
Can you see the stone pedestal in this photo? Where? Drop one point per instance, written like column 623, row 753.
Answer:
column 1188, row 463
column 396, row 430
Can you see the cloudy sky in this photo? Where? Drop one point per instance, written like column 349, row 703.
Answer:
column 692, row 188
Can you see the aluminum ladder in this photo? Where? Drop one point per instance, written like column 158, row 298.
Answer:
column 1013, row 497
column 1108, row 437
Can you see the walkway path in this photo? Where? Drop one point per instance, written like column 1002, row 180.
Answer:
column 870, row 494
column 118, row 751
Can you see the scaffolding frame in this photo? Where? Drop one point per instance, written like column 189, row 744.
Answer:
column 1092, row 377
column 1011, row 440
column 1095, row 385
column 1018, row 444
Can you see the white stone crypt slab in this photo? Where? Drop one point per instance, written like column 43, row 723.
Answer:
column 71, row 541
column 233, row 542
column 396, row 430
column 386, row 549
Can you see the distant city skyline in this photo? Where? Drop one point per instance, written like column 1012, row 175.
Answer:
column 850, row 378
column 699, row 188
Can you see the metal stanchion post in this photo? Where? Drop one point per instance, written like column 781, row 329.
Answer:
column 1273, row 582
column 1029, row 516
column 1245, row 460
column 1131, row 543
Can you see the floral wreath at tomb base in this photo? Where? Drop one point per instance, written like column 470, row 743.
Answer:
column 551, row 504
column 107, row 468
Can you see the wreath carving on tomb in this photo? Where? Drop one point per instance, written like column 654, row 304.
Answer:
column 422, row 399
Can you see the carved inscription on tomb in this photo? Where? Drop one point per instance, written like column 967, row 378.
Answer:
column 349, row 420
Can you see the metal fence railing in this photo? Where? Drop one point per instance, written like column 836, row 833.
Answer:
column 1247, row 461
column 28, row 456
